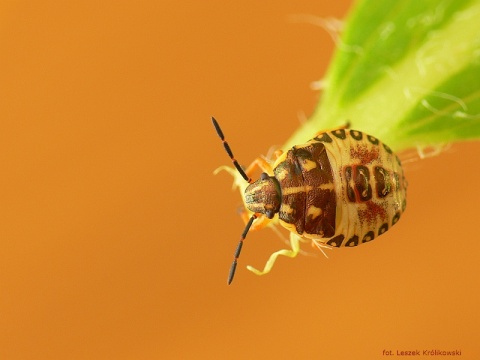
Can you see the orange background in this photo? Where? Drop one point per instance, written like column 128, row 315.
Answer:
column 115, row 237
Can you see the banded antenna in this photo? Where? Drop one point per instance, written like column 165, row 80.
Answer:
column 247, row 179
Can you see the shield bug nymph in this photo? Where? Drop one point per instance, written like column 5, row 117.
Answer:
column 342, row 188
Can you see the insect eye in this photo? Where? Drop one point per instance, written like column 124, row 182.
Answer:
column 269, row 213
column 264, row 176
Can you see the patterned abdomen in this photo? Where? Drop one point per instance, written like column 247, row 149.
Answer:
column 342, row 188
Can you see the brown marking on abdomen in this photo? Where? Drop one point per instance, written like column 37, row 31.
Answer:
column 358, row 186
column 364, row 154
column 372, row 212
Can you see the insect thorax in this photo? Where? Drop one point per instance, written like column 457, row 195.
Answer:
column 306, row 180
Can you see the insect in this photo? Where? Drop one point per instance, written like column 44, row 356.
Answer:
column 342, row 188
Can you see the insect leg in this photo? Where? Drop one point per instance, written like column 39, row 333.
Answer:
column 259, row 163
column 260, row 223
column 277, row 153
column 294, row 243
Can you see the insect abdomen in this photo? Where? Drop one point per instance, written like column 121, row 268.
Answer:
column 343, row 188
column 371, row 188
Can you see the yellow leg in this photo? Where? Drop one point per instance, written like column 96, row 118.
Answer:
column 263, row 164
column 295, row 245
column 260, row 223
column 259, row 163
column 277, row 153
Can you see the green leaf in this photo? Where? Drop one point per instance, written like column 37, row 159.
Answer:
column 407, row 72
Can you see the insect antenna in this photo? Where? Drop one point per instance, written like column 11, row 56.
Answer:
column 239, row 249
column 247, row 179
column 229, row 151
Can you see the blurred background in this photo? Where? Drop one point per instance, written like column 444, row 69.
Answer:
column 116, row 238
